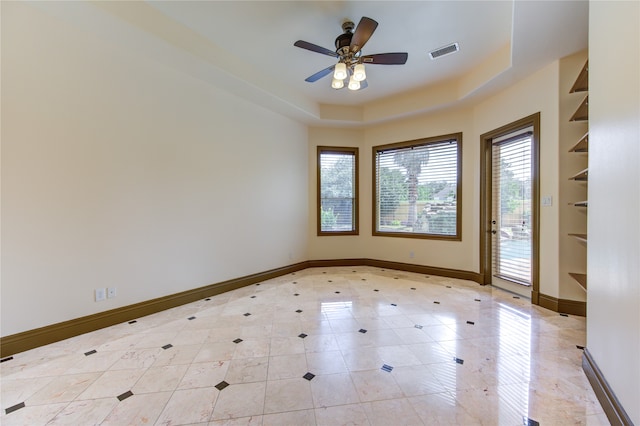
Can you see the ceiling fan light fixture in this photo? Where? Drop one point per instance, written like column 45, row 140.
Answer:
column 359, row 73
column 337, row 84
column 353, row 84
column 340, row 72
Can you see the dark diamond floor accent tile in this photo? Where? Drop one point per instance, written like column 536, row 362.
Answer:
column 295, row 282
column 6, row 359
column 258, row 284
column 564, row 315
column 222, row 385
column 125, row 395
column 253, row 297
column 191, row 318
column 376, row 289
column 324, row 272
column 133, row 322
column 296, row 294
column 516, row 297
column 90, row 352
column 364, row 279
column 207, row 299
column 330, row 281
column 427, row 276
column 167, row 346
column 459, row 361
column 309, row 376
column 471, row 322
column 247, row 314
column 413, row 288
column 418, row 326
column 302, row 335
column 237, row 341
column 362, row 330
column 580, row 347
column 299, row 311
column 14, row 408
column 436, row 302
column 393, row 304
column 387, row 368
column 448, row 286
column 530, row 422
column 477, row 300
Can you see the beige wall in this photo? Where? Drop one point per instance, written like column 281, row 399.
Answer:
column 537, row 93
column 118, row 171
column 613, row 320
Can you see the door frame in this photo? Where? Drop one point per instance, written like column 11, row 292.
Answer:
column 486, row 199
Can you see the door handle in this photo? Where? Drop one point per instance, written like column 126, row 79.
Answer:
column 494, row 232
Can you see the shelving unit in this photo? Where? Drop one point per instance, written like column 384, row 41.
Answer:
column 582, row 175
column 581, row 146
column 580, row 278
column 579, row 237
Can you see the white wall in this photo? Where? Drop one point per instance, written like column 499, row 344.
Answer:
column 613, row 317
column 118, row 171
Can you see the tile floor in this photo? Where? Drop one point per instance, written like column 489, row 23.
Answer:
column 325, row 346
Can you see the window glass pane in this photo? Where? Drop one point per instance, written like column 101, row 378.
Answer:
column 417, row 188
column 337, row 191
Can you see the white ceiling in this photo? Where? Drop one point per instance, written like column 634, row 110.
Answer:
column 247, row 46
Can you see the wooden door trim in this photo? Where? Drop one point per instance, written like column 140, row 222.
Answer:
column 486, row 199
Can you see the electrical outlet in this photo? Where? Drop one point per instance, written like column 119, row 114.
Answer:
column 111, row 292
column 101, row 294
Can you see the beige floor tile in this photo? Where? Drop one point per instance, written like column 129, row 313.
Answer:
column 330, row 362
column 138, row 410
column 287, row 395
column 242, row 421
column 160, row 379
column 247, row 370
column 240, row 400
column 297, row 418
column 32, row 416
column 341, row 415
column 287, row 367
column 189, row 406
column 204, row 374
column 63, row 389
column 393, row 411
column 333, row 389
column 87, row 412
column 373, row 385
column 112, row 384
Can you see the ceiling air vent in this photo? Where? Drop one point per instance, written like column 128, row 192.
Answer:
column 445, row 50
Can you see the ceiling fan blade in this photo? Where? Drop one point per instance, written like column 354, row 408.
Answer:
column 317, row 76
column 363, row 32
column 398, row 58
column 315, row 48
column 363, row 85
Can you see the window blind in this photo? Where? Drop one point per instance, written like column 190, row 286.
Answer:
column 337, row 187
column 417, row 189
column 512, row 186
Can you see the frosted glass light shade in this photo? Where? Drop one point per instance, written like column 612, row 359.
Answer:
column 358, row 73
column 337, row 84
column 353, row 84
column 340, row 72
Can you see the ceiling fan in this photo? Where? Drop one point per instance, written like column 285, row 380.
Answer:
column 350, row 64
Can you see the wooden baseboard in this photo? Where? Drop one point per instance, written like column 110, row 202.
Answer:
column 612, row 407
column 30, row 339
column 565, row 306
column 399, row 266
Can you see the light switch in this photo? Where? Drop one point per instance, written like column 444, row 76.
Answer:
column 547, row 201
